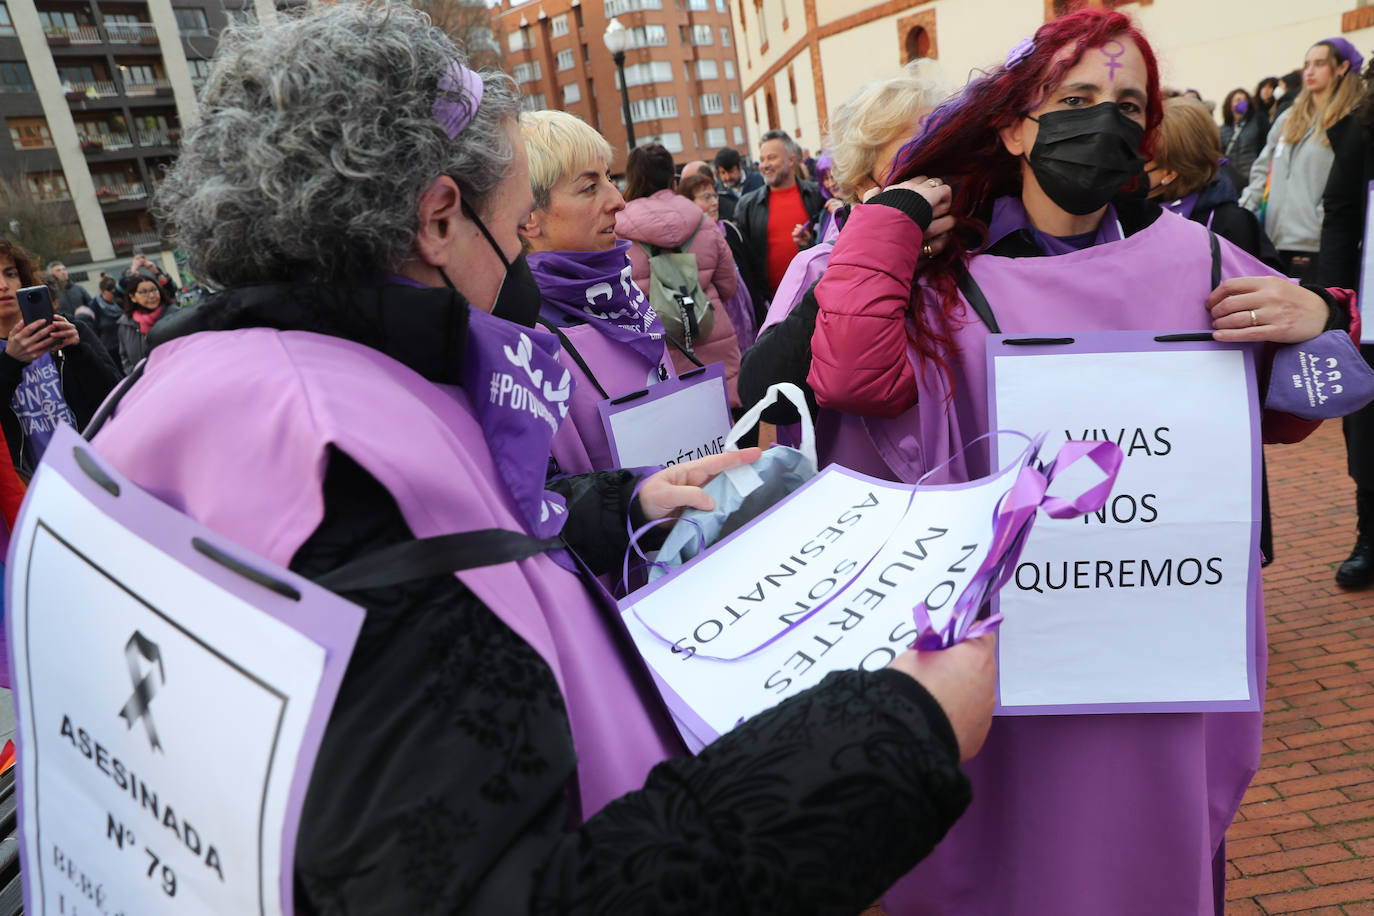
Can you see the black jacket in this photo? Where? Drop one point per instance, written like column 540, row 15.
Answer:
column 1241, row 142
column 73, row 296
column 442, row 780
column 1216, row 208
column 1344, row 202
column 88, row 375
column 751, row 216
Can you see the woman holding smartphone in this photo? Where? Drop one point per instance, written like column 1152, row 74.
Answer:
column 51, row 371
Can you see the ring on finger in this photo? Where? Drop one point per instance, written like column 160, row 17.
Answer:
column 1254, row 318
column 934, row 182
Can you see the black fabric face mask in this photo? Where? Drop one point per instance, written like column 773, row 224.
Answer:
column 1083, row 156
column 518, row 300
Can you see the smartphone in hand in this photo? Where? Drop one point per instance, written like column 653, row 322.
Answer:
column 35, row 303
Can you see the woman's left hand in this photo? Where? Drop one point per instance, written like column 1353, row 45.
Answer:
column 64, row 333
column 680, row 486
column 1266, row 309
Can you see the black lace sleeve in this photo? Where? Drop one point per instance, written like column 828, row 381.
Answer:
column 441, row 784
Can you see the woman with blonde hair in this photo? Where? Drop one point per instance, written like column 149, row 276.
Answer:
column 612, row 341
column 1287, row 180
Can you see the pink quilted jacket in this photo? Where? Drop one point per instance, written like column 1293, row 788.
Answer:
column 667, row 219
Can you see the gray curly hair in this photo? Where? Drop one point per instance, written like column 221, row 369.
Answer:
column 317, row 141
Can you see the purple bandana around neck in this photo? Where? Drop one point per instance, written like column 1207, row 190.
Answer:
column 520, row 393
column 1184, row 206
column 1009, row 215
column 596, row 287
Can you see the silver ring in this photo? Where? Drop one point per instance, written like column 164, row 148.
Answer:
column 1254, row 319
column 934, row 182
column 927, row 250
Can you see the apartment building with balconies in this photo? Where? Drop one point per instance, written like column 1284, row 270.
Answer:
column 94, row 95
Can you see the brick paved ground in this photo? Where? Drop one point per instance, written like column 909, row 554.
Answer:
column 1304, row 839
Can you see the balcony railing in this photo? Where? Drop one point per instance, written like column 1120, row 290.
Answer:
column 51, row 197
column 92, row 143
column 131, row 33
column 94, row 89
column 132, row 88
column 114, row 193
column 158, row 137
column 124, row 240
column 31, row 142
column 72, row 35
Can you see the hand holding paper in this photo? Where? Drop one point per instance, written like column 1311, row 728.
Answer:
column 680, row 486
column 963, row 680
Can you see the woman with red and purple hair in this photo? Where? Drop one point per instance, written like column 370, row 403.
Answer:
column 1022, row 183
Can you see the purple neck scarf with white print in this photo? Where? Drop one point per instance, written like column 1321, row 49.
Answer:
column 520, row 394
column 596, row 287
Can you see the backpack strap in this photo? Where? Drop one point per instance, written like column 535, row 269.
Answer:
column 1216, row 258
column 425, row 558
column 577, row 357
column 688, row 244
column 974, row 294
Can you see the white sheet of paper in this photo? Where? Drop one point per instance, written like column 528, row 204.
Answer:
column 1367, row 271
column 748, row 589
column 113, row 824
column 1180, row 515
column 689, row 423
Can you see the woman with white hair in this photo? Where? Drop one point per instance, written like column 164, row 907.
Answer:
column 357, row 193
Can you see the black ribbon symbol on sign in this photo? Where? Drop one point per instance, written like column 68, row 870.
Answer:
column 144, row 686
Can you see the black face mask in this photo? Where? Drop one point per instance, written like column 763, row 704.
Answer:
column 1082, row 156
column 518, row 299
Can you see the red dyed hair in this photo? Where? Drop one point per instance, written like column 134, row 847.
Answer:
column 960, row 143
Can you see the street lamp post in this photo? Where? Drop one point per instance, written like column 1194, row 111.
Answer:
column 616, row 39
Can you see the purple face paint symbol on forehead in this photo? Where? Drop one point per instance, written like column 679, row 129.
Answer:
column 1113, row 57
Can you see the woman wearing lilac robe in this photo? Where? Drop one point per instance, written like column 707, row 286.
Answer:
column 1074, row 815
column 613, row 342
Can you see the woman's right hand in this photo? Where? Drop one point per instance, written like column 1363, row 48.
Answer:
column 962, row 679
column 27, row 342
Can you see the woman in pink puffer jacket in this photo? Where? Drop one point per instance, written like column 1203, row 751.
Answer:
column 656, row 215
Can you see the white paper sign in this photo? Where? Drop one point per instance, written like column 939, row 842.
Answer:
column 676, row 420
column 1146, row 605
column 1367, row 271
column 161, row 719
column 843, row 561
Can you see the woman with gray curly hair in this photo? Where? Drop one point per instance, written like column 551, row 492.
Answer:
column 369, row 376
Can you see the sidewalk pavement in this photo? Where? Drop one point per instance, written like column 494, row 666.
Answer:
column 1304, row 839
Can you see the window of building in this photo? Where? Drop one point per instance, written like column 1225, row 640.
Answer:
column 710, row 103
column 138, row 74
column 526, row 73
column 241, row 17
column 658, row 71
column 200, row 71
column 520, row 39
column 645, row 36
column 703, row 35
column 720, row 6
column 725, row 36
column 621, row 7
column 707, row 70
column 739, row 135
column 729, row 64
column 699, row 6
column 30, row 133
column 734, row 103
column 49, row 186
column 533, row 102
column 6, row 27
column 565, row 59
column 671, row 142
column 763, row 28
column 14, row 77
column 79, row 76
column 663, row 106
column 572, row 93
column 559, row 27
column 191, row 20
column 715, row 137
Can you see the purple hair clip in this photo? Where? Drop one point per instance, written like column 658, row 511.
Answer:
column 455, row 114
column 1024, row 48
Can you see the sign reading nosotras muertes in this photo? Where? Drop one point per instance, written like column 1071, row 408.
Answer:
column 169, row 708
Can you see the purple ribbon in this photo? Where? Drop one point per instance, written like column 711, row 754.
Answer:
column 1011, row 526
column 455, row 114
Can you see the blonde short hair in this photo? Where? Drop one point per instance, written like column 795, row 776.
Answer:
column 1187, row 143
column 875, row 116
column 556, row 144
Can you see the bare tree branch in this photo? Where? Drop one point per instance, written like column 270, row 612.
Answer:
column 45, row 228
column 468, row 22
